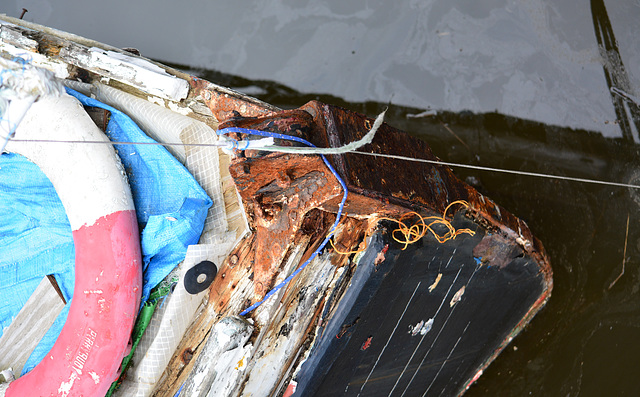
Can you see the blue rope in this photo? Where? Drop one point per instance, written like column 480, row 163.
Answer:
column 338, row 215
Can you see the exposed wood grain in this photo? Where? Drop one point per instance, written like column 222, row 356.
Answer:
column 226, row 295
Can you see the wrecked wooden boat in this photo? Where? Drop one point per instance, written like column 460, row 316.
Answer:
column 321, row 269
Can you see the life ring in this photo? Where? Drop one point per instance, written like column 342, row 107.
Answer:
column 93, row 188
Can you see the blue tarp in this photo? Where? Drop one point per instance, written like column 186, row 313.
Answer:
column 35, row 234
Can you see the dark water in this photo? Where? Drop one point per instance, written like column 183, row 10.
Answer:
column 551, row 61
column 586, row 341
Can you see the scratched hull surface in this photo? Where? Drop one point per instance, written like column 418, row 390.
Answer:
column 387, row 344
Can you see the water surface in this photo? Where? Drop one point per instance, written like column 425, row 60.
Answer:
column 534, row 59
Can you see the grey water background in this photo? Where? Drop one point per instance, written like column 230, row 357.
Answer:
column 532, row 85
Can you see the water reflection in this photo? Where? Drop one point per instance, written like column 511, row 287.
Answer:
column 627, row 111
column 533, row 59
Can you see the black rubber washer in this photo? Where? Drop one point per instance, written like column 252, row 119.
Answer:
column 206, row 268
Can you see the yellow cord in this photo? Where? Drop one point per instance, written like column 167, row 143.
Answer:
column 348, row 252
column 413, row 233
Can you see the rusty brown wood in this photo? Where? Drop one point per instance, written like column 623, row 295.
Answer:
column 391, row 181
column 277, row 191
column 363, row 207
column 349, row 237
column 225, row 103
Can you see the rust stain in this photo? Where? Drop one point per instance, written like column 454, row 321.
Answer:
column 495, row 250
column 220, row 289
column 226, row 104
column 349, row 236
column 345, row 328
column 276, row 201
column 366, row 344
column 379, row 258
column 187, row 355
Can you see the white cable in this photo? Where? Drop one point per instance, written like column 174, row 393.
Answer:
column 261, row 144
column 338, row 150
column 525, row 173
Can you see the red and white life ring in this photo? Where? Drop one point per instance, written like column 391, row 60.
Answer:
column 92, row 186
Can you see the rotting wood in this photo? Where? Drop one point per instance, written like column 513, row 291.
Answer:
column 225, row 299
column 230, row 333
column 220, row 303
column 18, row 39
column 296, row 304
column 226, row 103
column 53, row 50
column 277, row 197
column 279, row 189
column 348, row 237
column 118, row 65
column 429, row 186
column 332, row 293
column 287, row 331
column 126, row 69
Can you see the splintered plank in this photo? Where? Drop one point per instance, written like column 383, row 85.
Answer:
column 227, row 295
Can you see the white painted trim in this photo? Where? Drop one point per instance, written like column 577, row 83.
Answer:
column 131, row 70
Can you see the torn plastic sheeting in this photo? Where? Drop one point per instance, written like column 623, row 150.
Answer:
column 35, row 232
